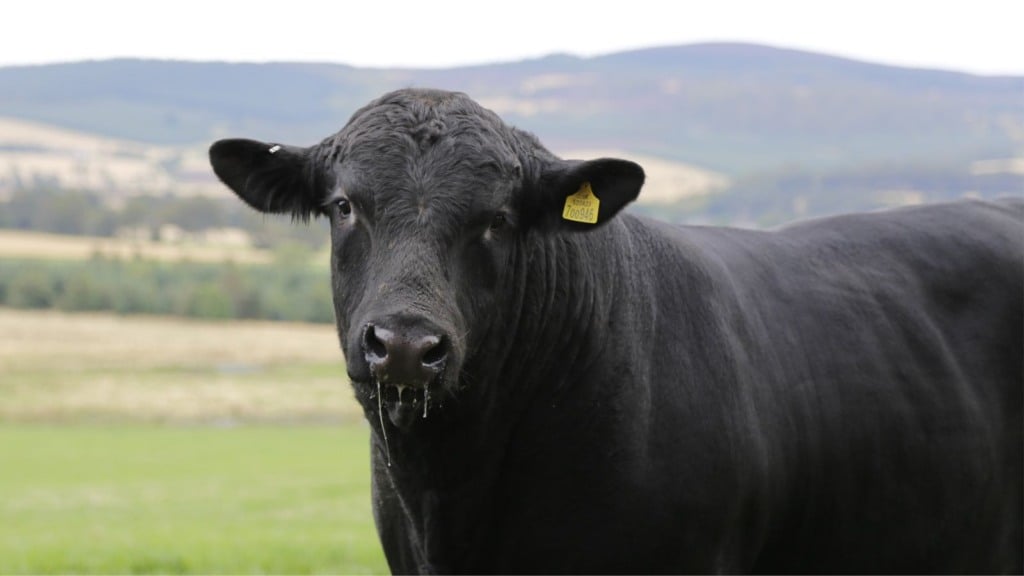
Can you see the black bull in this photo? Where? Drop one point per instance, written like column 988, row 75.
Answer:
column 611, row 394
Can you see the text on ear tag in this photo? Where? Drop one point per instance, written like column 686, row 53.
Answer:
column 582, row 206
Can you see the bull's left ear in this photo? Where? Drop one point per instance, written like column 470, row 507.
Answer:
column 583, row 195
column 269, row 177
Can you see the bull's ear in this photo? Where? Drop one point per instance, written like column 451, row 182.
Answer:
column 583, row 195
column 269, row 177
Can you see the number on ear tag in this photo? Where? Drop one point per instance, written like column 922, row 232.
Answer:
column 582, row 206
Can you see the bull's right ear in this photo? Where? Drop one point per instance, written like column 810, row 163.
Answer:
column 269, row 177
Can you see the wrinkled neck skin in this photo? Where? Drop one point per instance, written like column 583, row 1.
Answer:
column 434, row 493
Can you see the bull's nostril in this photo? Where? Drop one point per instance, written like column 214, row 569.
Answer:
column 436, row 352
column 373, row 344
column 409, row 359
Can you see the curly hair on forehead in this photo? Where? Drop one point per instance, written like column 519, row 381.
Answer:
column 428, row 132
column 418, row 121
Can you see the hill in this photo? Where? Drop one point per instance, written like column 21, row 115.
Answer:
column 729, row 133
column 731, row 108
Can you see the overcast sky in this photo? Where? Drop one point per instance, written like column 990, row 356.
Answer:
column 979, row 36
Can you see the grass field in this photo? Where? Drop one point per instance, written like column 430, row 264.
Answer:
column 150, row 445
column 57, row 367
column 146, row 499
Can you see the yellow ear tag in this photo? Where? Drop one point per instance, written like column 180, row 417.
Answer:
column 582, row 206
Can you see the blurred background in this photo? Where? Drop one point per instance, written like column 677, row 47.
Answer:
column 172, row 395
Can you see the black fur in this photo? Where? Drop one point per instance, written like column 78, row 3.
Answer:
column 843, row 395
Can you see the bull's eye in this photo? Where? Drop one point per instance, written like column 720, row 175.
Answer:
column 344, row 207
column 499, row 221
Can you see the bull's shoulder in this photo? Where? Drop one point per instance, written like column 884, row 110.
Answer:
column 944, row 243
column 984, row 221
column 933, row 250
column 935, row 241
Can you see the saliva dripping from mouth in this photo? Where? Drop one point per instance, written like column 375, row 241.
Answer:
column 401, row 406
column 383, row 427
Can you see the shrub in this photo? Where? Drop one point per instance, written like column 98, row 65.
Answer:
column 33, row 289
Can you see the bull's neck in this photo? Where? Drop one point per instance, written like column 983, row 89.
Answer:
column 552, row 326
column 561, row 325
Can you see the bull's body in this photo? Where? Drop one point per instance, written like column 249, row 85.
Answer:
column 841, row 395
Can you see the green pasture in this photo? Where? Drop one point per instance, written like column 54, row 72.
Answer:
column 163, row 446
column 152, row 499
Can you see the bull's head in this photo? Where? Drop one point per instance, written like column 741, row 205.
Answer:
column 436, row 208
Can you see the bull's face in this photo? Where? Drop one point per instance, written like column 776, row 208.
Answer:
column 433, row 204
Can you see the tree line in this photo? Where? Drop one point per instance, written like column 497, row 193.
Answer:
column 287, row 290
column 80, row 212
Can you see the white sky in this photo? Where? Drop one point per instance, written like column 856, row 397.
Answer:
column 979, row 36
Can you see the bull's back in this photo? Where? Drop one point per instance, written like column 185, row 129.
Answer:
column 910, row 328
column 882, row 355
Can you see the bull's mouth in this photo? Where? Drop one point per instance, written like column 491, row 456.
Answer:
column 401, row 406
column 405, row 403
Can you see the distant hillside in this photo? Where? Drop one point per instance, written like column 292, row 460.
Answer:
column 34, row 155
column 730, row 108
column 39, row 155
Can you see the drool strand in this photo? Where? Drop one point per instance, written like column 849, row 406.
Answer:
column 383, row 428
